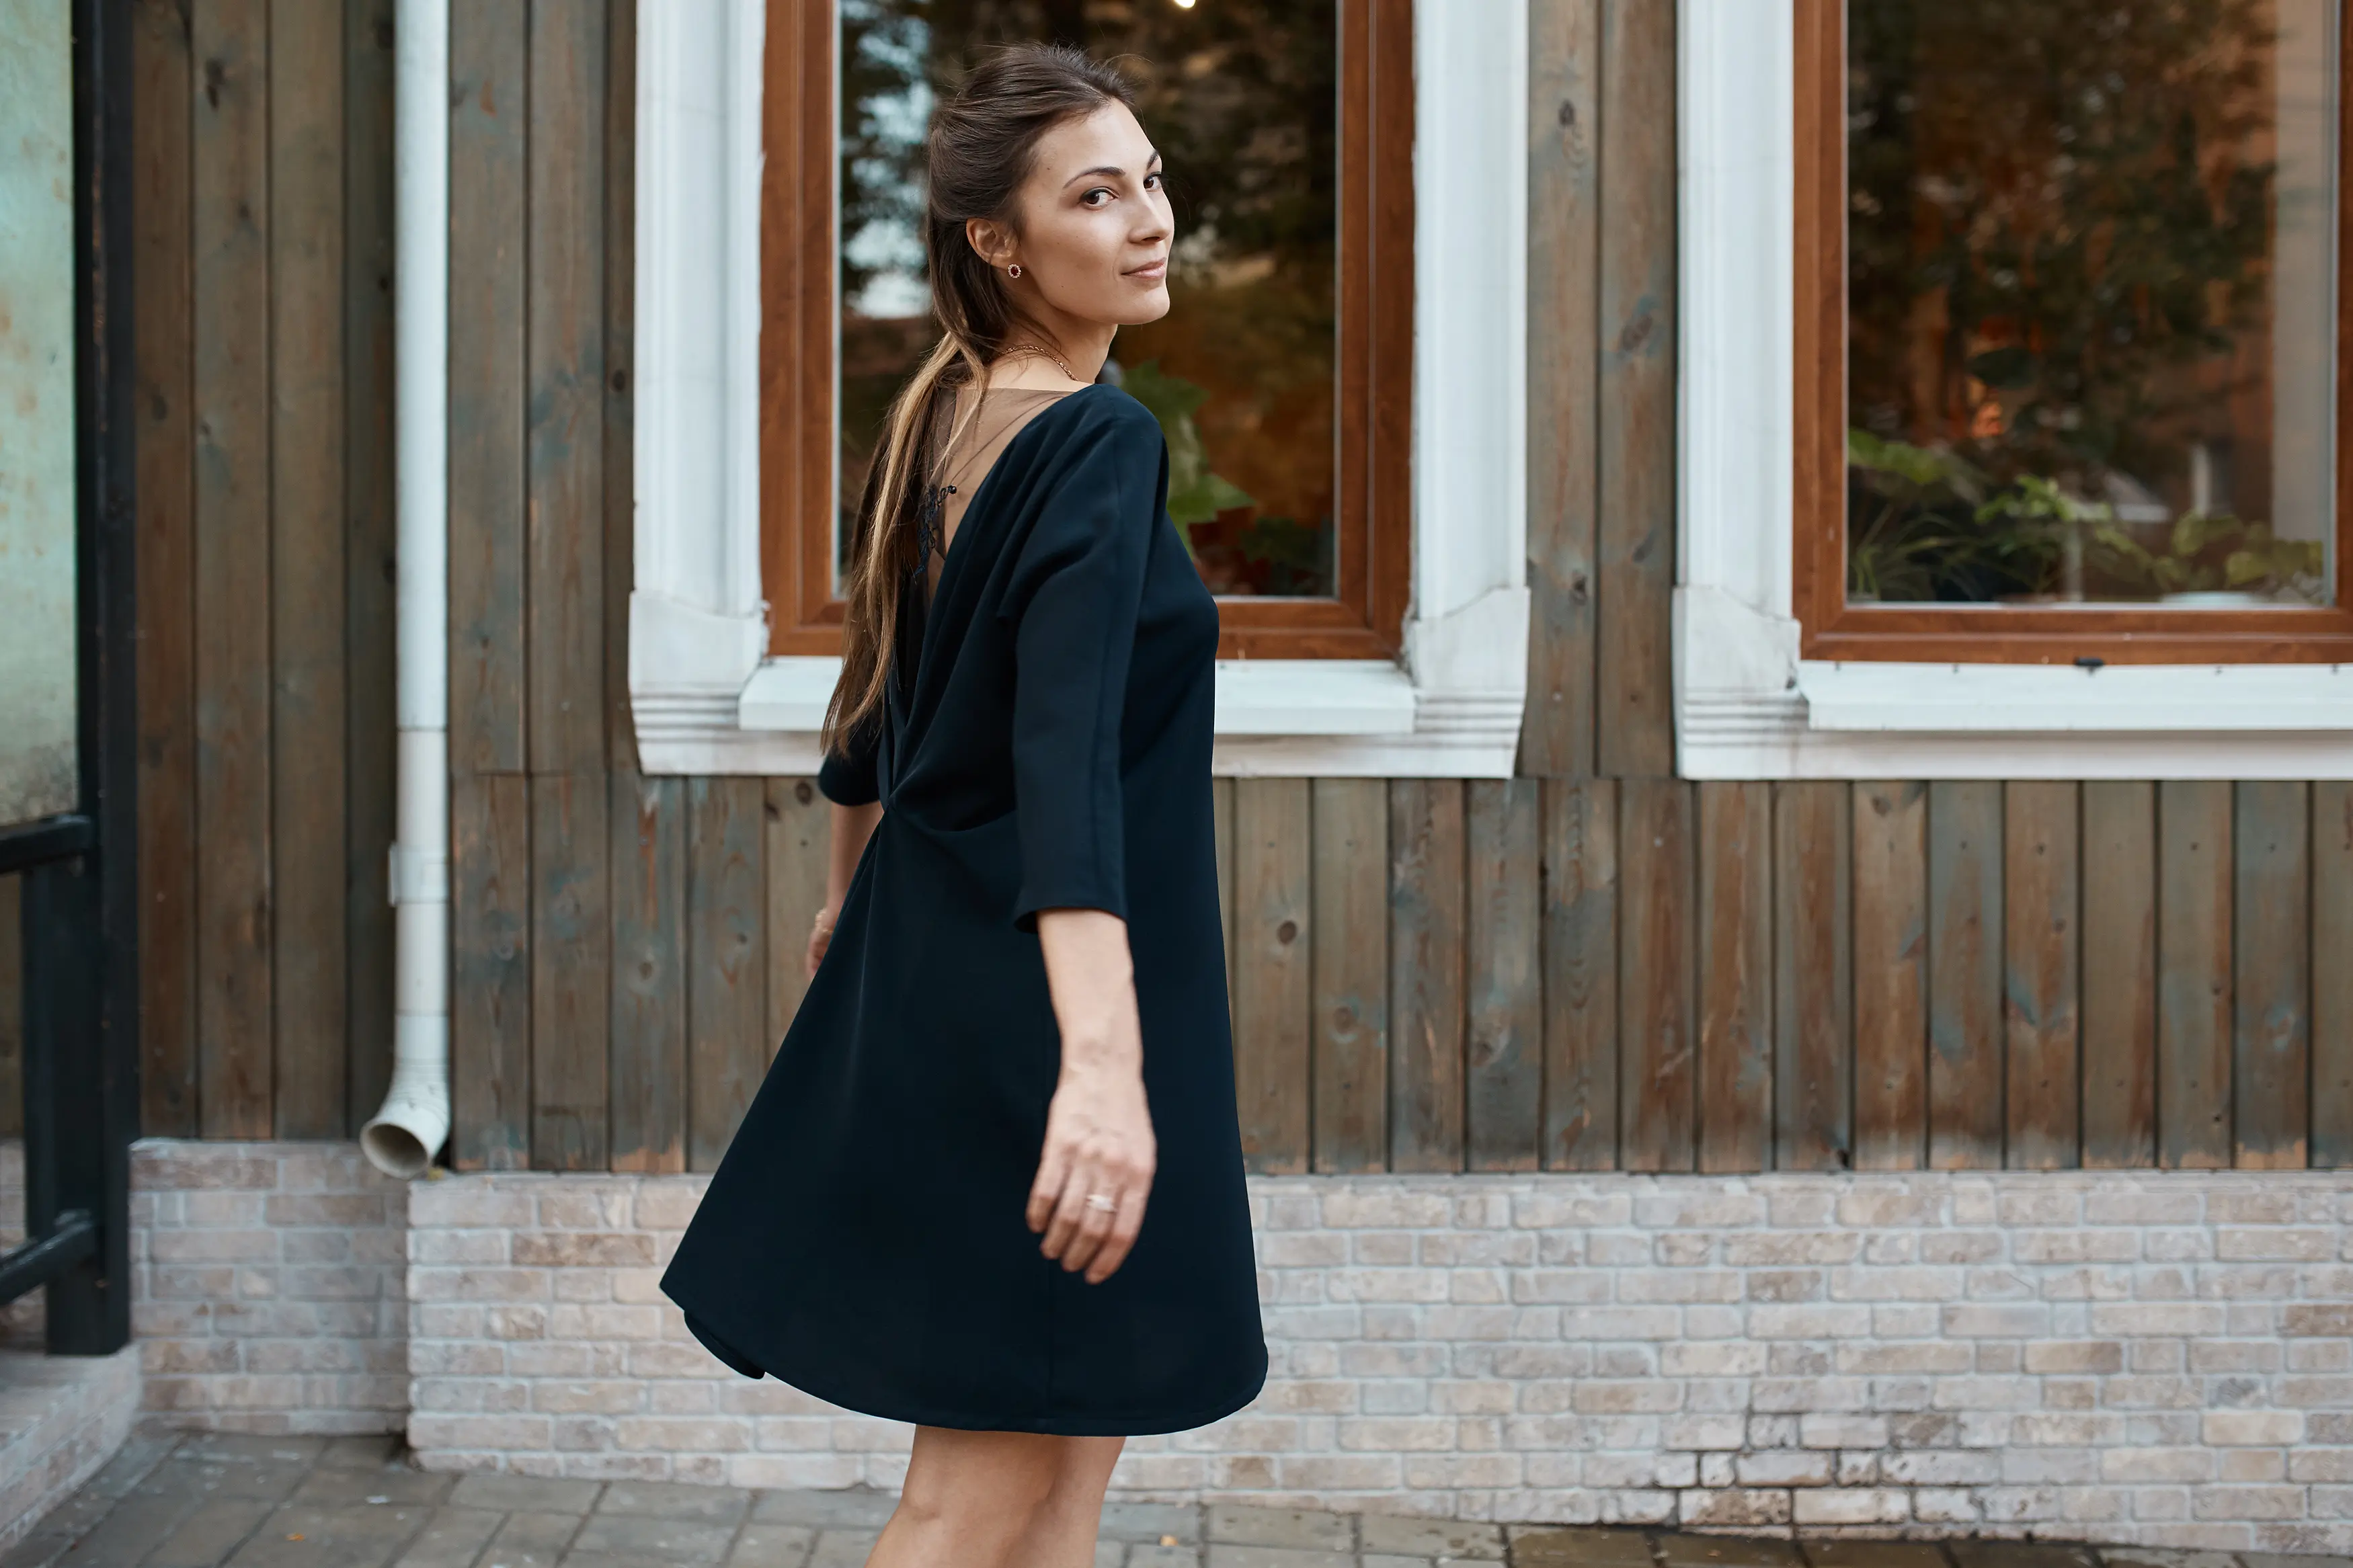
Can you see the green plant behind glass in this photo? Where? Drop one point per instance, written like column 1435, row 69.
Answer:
column 1195, row 493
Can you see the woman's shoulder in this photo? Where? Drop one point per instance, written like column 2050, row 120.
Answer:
column 1111, row 409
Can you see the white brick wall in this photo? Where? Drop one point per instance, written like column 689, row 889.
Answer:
column 266, row 1286
column 2146, row 1357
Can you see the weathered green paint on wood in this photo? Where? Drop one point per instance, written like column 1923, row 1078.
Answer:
column 1580, row 974
column 565, row 360
column 1427, row 877
column 2332, row 973
column 2040, row 930
column 1636, row 396
column 1655, row 978
column 1556, row 736
column 308, row 632
column 163, row 235
column 2193, row 974
column 650, row 972
column 1965, row 1035
column 2271, row 981
column 727, row 960
column 1811, row 1074
column 235, row 909
column 490, row 978
column 370, row 738
column 1349, row 930
column 1273, row 970
column 489, row 266
column 1733, row 1094
column 2119, row 875
column 1504, row 1065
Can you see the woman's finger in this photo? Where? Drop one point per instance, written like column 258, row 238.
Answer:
column 1094, row 1222
column 1123, row 1229
column 1070, row 1209
column 1053, row 1171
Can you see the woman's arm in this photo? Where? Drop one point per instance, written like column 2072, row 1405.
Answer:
column 852, row 826
column 1098, row 1127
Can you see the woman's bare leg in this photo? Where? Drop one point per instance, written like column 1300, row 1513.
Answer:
column 969, row 1497
column 1064, row 1528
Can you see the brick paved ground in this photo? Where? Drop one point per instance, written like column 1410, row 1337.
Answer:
column 205, row 1501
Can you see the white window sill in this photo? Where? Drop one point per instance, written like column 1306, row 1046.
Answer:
column 1322, row 717
column 2143, row 699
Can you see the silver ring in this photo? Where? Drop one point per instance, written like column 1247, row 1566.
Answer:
column 1101, row 1201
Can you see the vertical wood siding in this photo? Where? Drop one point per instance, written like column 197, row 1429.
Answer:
column 1593, row 966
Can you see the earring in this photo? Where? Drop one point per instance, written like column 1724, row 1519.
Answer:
column 1014, row 270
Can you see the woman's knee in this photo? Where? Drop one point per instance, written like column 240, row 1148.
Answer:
column 981, row 1484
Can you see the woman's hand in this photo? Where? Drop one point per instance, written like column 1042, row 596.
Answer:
column 1098, row 1136
column 820, row 933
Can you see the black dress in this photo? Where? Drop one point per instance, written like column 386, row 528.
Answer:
column 1046, row 746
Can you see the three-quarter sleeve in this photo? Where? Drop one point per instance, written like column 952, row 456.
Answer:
column 1074, row 593
column 847, row 777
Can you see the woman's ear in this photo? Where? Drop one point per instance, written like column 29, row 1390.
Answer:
column 989, row 240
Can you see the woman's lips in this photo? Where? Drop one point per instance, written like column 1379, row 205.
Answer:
column 1151, row 271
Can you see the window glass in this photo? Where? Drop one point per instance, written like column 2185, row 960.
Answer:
column 2092, row 302
column 1241, row 100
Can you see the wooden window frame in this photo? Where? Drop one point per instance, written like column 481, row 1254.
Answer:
column 1373, row 456
column 1834, row 629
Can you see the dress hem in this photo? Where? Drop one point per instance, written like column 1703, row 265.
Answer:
column 1137, row 1426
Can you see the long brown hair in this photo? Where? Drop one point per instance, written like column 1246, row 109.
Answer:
column 981, row 146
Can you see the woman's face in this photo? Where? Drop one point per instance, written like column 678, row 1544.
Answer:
column 1096, row 222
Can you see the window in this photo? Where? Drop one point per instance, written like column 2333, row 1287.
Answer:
column 1346, row 357
column 1283, row 377
column 2068, row 289
column 2050, row 383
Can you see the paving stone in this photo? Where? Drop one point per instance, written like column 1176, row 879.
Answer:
column 39, row 1550
column 374, row 1485
column 363, row 1451
column 232, row 1475
column 251, row 1447
column 1299, row 1528
column 1390, row 1559
column 1149, row 1556
column 1110, row 1553
column 2165, row 1557
column 531, row 1539
column 453, row 1538
column 848, row 1507
column 676, row 1499
column 2292, row 1560
column 1577, row 1546
column 1230, row 1556
column 135, row 1527
column 843, row 1548
column 642, row 1536
column 1976, row 1551
column 1845, row 1552
column 1684, row 1549
column 208, row 1535
column 1404, row 1535
column 772, row 1546
column 299, row 1535
column 509, row 1494
column 1146, row 1522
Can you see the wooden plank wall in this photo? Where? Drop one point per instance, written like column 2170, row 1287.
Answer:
column 1592, row 965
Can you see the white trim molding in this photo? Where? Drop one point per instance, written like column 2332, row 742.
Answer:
column 1746, row 704
column 705, row 698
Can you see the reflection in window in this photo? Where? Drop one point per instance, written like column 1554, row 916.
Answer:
column 2091, row 300
column 1242, row 101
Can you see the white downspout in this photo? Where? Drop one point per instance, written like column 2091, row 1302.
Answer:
column 409, row 1128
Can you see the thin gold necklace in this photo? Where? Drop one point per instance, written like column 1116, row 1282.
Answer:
column 1038, row 349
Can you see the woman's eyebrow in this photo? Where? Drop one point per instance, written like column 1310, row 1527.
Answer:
column 1114, row 170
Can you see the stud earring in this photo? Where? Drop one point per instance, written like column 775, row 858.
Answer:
column 1014, row 270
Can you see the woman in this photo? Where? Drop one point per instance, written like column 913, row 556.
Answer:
column 1015, row 1028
